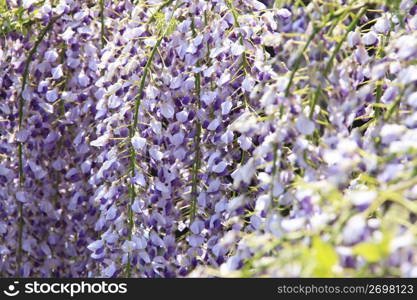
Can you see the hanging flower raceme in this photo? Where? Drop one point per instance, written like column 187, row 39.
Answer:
column 225, row 137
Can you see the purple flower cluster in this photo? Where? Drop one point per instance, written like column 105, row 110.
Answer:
column 197, row 138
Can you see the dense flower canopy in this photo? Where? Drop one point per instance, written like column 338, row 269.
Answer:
column 208, row 138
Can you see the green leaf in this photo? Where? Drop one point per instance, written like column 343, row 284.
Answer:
column 374, row 252
column 160, row 21
column 171, row 27
column 162, row 26
column 369, row 251
column 325, row 257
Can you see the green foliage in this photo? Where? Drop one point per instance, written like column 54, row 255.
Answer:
column 13, row 20
column 282, row 3
column 164, row 27
column 324, row 257
column 374, row 251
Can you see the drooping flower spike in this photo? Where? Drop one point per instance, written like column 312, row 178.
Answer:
column 197, row 138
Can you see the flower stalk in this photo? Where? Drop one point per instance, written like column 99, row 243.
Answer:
column 20, row 144
column 133, row 128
